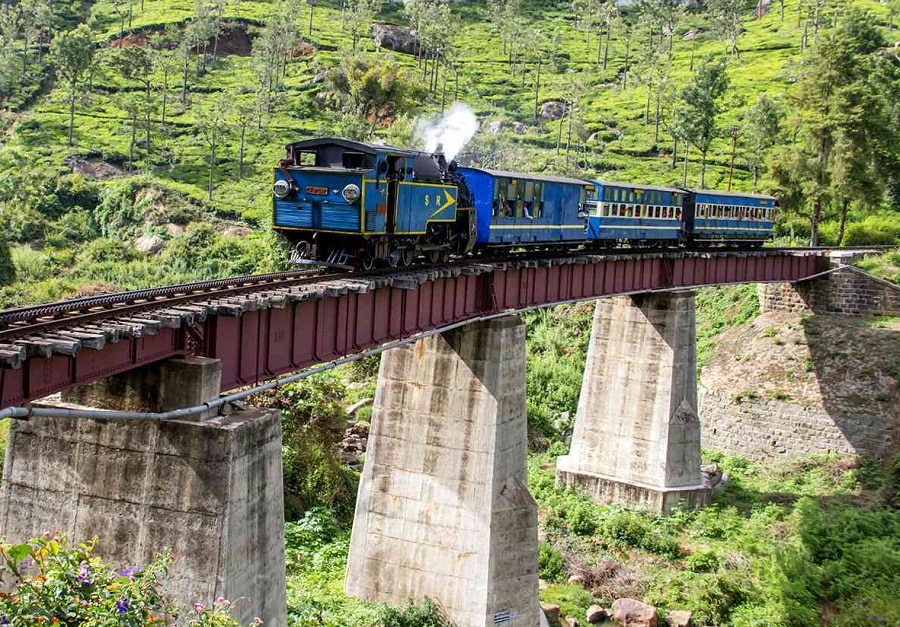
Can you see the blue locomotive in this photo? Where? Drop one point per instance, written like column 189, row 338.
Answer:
column 354, row 204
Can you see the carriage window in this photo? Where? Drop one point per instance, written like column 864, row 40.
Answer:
column 499, row 196
column 538, row 207
column 353, row 160
column 512, row 198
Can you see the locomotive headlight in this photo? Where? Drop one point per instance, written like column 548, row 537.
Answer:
column 350, row 193
column 281, row 188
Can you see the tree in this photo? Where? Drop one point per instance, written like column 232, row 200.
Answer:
column 726, row 21
column 73, row 53
column 372, row 91
column 699, row 107
column 762, row 123
column 212, row 120
column 136, row 63
column 360, row 14
column 845, row 135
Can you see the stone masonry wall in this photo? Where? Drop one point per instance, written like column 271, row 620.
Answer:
column 847, row 290
column 757, row 428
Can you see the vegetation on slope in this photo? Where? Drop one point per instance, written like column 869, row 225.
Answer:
column 196, row 99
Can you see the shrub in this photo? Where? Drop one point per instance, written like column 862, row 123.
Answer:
column 425, row 615
column 582, row 519
column 7, row 268
column 702, row 562
column 313, row 424
column 106, row 250
column 551, row 565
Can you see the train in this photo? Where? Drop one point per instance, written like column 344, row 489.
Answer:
column 361, row 205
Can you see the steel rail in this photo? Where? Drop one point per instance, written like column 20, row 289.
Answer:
column 30, row 320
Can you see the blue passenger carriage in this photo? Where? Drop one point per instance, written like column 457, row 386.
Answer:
column 348, row 202
column 514, row 209
column 641, row 214
column 730, row 218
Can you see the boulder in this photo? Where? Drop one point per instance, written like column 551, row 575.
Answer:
column 595, row 614
column 634, row 613
column 554, row 110
column 395, row 38
column 149, row 244
column 678, row 618
column 519, row 128
column 173, row 229
column 237, row 231
column 551, row 611
column 576, row 580
column 496, row 126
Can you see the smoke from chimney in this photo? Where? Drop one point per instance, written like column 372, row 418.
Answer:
column 449, row 133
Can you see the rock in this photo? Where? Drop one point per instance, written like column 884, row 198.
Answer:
column 360, row 429
column 595, row 614
column 357, row 405
column 149, row 244
column 572, row 622
column 496, row 126
column 237, row 231
column 551, row 611
column 678, row 618
column 93, row 168
column 395, row 38
column 173, row 229
column 519, row 128
column 711, row 475
column 554, row 110
column 634, row 613
column 723, row 481
column 576, row 580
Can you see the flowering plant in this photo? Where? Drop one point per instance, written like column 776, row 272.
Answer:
column 51, row 583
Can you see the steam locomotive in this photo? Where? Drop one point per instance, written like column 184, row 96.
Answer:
column 354, row 204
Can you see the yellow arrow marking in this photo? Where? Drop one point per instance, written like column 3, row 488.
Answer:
column 450, row 201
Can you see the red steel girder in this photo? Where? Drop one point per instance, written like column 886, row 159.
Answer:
column 261, row 344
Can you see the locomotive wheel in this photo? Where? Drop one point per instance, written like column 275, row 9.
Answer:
column 433, row 255
column 394, row 254
column 406, row 257
column 445, row 256
column 366, row 261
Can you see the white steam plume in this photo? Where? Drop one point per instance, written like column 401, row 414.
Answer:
column 449, row 133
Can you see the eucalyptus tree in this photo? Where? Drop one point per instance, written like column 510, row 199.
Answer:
column 213, row 123
column 136, row 63
column 726, row 16
column 359, row 16
column 761, row 127
column 846, row 131
column 696, row 115
column 72, row 53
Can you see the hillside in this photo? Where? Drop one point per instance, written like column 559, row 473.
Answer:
column 164, row 86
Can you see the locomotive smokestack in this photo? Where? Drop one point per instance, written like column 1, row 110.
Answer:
column 448, row 134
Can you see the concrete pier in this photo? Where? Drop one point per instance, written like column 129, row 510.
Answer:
column 637, row 431
column 443, row 508
column 211, row 491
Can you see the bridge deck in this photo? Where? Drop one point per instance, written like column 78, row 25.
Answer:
column 262, row 334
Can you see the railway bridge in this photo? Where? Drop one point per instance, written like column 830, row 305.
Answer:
column 150, row 447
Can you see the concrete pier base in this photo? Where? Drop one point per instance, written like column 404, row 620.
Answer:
column 637, row 432
column 443, row 509
column 211, row 492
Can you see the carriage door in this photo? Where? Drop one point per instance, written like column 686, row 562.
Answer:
column 394, row 175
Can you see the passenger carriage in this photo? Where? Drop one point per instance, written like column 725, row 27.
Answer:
column 730, row 218
column 623, row 212
column 515, row 209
